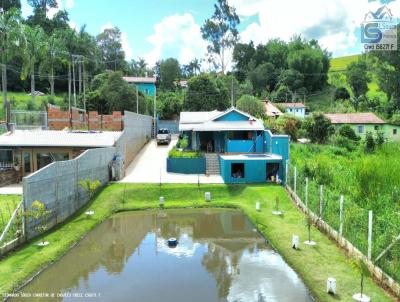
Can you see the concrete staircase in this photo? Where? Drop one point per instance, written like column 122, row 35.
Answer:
column 212, row 164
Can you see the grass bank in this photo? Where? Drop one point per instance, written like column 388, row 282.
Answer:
column 8, row 203
column 315, row 265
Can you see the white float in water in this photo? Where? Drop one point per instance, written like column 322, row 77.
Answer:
column 161, row 201
column 258, row 206
column 207, row 196
column 361, row 298
column 295, row 242
column 43, row 243
column 331, row 286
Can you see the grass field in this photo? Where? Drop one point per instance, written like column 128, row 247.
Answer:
column 22, row 101
column 315, row 265
column 367, row 181
column 341, row 63
column 8, row 203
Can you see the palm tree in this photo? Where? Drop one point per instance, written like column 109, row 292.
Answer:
column 54, row 49
column 142, row 67
column 10, row 34
column 195, row 65
column 33, row 51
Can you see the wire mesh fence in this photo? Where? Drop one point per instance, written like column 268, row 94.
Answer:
column 351, row 221
column 26, row 120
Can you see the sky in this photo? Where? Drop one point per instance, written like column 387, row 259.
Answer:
column 158, row 29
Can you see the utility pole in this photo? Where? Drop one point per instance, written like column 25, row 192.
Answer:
column 84, row 85
column 137, row 100
column 232, row 102
column 4, row 78
column 155, row 113
column 73, row 78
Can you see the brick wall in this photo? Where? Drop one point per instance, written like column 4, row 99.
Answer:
column 59, row 119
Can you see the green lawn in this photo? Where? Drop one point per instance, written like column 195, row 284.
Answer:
column 8, row 203
column 315, row 265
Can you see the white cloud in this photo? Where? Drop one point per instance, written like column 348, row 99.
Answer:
column 73, row 25
column 176, row 35
column 108, row 25
column 126, row 47
column 53, row 11
column 332, row 22
column 124, row 41
column 69, row 4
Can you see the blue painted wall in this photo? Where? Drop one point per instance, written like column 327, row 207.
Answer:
column 254, row 170
column 233, row 116
column 186, row 165
column 146, row 88
column 240, row 146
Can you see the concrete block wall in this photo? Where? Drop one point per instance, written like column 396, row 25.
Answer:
column 137, row 132
column 57, row 185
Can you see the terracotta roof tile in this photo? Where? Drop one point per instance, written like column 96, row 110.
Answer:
column 354, row 118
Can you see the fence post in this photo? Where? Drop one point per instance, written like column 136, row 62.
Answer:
column 287, row 172
column 369, row 235
column 295, row 181
column 341, row 216
column 321, row 201
column 306, row 194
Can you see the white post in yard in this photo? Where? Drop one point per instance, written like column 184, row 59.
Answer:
column 306, row 194
column 295, row 180
column 287, row 171
column 341, row 216
column 369, row 235
column 321, row 200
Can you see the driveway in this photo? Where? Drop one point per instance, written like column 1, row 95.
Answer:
column 150, row 165
column 14, row 189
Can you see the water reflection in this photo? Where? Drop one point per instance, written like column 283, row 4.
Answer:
column 218, row 258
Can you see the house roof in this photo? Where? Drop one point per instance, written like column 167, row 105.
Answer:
column 207, row 121
column 293, row 105
column 140, row 80
column 354, row 118
column 271, row 110
column 55, row 138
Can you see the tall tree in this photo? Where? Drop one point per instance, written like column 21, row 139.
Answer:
column 203, row 94
column 242, row 56
column 42, row 5
column 170, row 73
column 9, row 41
column 221, row 32
column 33, row 52
column 9, row 4
column 109, row 42
column 54, row 53
column 358, row 78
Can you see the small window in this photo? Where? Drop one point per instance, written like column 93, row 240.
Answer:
column 163, row 131
column 360, row 129
column 237, row 170
column 297, row 110
column 394, row 131
column 376, row 128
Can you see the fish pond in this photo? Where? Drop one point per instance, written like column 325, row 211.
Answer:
column 219, row 256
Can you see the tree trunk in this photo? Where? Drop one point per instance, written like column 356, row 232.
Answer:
column 33, row 82
column 4, row 83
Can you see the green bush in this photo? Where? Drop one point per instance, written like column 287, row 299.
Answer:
column 175, row 153
column 348, row 132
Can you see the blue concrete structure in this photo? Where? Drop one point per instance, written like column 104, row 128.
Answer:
column 145, row 85
column 248, row 153
column 186, row 165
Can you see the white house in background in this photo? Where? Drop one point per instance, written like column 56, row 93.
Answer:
column 296, row 109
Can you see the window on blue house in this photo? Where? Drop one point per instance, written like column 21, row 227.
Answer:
column 239, row 135
column 237, row 170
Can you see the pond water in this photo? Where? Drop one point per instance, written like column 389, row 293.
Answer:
column 219, row 257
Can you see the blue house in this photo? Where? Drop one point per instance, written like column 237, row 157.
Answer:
column 236, row 145
column 144, row 84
